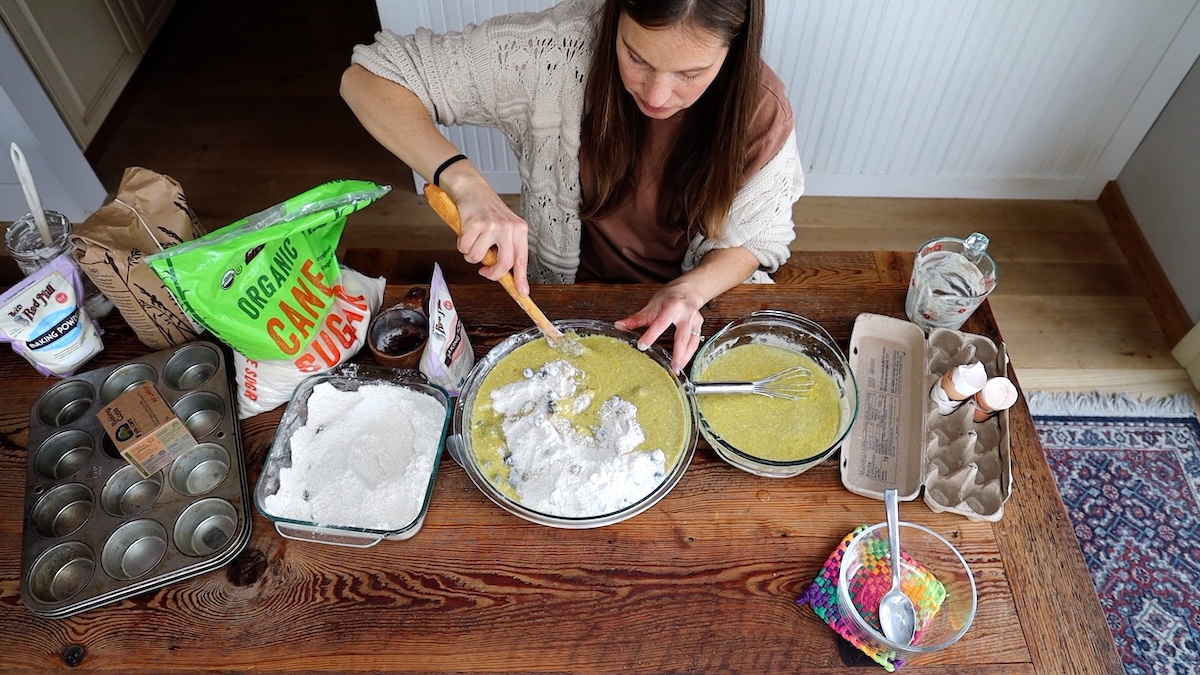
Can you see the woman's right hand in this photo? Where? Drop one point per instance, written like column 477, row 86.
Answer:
column 399, row 121
column 488, row 223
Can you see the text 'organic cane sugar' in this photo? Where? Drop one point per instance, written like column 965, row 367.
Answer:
column 362, row 459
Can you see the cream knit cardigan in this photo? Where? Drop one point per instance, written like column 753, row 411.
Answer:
column 524, row 74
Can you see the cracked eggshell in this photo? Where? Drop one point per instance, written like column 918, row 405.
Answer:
column 902, row 441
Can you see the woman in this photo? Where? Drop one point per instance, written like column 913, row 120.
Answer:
column 653, row 145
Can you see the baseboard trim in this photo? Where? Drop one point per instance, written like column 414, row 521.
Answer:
column 941, row 186
column 1164, row 303
column 1187, row 353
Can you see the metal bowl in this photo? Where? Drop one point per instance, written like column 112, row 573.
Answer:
column 459, row 442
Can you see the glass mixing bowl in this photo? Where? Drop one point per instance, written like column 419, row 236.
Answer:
column 459, row 442
column 790, row 331
column 933, row 574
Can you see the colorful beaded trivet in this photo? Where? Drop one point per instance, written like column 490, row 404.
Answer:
column 867, row 587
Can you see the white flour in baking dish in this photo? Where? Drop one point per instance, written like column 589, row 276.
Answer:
column 362, row 459
column 558, row 470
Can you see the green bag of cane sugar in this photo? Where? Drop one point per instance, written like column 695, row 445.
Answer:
column 264, row 284
column 270, row 287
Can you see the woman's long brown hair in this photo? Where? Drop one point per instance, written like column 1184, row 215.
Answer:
column 703, row 170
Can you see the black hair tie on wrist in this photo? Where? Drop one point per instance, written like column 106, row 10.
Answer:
column 438, row 174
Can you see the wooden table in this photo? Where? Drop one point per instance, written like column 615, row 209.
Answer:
column 706, row 580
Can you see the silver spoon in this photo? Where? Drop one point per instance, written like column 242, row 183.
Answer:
column 897, row 617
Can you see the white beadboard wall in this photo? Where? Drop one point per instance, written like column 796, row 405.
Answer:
column 1039, row 99
column 487, row 148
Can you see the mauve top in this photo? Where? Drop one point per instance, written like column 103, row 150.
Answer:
column 630, row 245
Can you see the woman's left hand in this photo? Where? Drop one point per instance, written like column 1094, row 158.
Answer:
column 678, row 303
column 672, row 305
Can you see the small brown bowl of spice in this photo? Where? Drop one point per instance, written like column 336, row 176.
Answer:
column 398, row 334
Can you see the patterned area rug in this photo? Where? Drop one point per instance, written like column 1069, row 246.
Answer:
column 1129, row 473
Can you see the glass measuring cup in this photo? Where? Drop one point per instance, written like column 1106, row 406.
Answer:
column 951, row 277
column 31, row 253
column 26, row 246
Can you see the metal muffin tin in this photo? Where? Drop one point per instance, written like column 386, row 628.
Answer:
column 95, row 530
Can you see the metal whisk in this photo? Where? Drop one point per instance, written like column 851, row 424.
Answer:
column 792, row 383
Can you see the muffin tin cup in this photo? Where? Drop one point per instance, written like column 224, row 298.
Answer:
column 128, row 494
column 134, row 549
column 191, row 366
column 126, row 378
column 63, row 454
column 95, row 530
column 59, row 573
column 62, row 510
column 200, row 470
column 205, row 527
column 64, row 403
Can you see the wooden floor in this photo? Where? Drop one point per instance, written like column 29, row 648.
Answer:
column 238, row 102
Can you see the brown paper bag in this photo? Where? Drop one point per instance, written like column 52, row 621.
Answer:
column 148, row 214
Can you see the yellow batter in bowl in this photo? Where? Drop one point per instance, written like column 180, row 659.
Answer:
column 613, row 422
column 776, row 429
column 766, row 436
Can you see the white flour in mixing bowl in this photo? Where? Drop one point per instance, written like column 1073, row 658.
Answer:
column 362, row 459
column 561, row 470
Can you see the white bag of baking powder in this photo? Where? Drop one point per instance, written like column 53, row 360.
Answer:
column 44, row 319
column 448, row 356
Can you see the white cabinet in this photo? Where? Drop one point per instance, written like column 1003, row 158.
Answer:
column 84, row 51
column 145, row 18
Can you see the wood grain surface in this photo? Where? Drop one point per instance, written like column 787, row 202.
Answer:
column 704, row 581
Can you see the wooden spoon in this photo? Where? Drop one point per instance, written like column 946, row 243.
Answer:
column 444, row 206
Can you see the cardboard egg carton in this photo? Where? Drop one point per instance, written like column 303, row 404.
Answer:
column 902, row 441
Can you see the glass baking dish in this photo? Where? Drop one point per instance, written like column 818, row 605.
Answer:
column 346, row 377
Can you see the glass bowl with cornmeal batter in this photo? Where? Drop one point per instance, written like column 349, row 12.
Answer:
column 577, row 436
column 766, row 435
